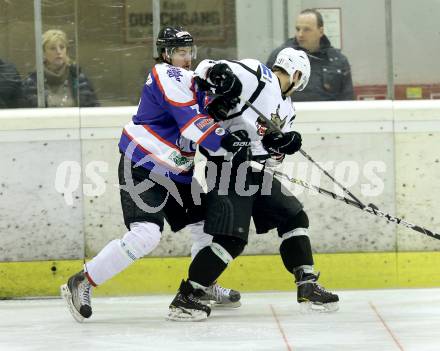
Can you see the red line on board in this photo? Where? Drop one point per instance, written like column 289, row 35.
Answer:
column 280, row 328
column 386, row 326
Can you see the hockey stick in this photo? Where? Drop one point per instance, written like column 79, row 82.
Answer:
column 266, row 121
column 348, row 192
column 371, row 209
column 261, row 118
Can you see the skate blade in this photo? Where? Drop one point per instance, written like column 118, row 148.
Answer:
column 310, row 308
column 235, row 304
column 66, row 294
column 183, row 315
column 208, row 303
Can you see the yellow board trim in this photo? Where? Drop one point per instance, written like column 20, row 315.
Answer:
column 246, row 273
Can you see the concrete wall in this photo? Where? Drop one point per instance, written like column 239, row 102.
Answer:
column 386, row 147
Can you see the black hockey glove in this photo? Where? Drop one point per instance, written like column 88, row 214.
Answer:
column 282, row 143
column 236, row 141
column 202, row 84
column 219, row 108
column 224, row 81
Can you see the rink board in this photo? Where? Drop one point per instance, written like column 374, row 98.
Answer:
column 247, row 273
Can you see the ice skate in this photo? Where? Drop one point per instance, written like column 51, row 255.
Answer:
column 217, row 296
column 311, row 296
column 77, row 293
column 186, row 306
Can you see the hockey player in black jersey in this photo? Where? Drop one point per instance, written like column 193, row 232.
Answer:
column 229, row 210
column 178, row 50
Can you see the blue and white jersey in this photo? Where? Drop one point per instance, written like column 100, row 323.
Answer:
column 169, row 121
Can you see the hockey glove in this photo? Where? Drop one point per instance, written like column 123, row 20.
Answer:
column 221, row 81
column 235, row 141
column 282, row 143
column 219, row 108
column 225, row 82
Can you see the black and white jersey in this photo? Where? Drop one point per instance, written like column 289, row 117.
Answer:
column 262, row 89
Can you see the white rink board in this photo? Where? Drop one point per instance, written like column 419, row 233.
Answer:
column 35, row 142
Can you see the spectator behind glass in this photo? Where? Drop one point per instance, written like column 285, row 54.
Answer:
column 330, row 78
column 64, row 83
column 11, row 93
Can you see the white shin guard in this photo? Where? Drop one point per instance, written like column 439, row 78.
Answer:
column 118, row 254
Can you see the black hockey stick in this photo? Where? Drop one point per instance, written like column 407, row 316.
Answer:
column 266, row 121
column 371, row 209
column 348, row 192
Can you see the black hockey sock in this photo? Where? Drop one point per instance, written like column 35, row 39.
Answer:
column 206, row 267
column 296, row 251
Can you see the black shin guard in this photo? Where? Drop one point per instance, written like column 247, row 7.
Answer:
column 296, row 251
column 207, row 266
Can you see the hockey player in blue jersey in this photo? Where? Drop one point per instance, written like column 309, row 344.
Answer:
column 157, row 163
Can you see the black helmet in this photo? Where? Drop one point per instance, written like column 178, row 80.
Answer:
column 172, row 37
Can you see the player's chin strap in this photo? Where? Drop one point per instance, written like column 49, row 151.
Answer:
column 371, row 209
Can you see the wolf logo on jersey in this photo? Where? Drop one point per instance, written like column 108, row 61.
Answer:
column 275, row 117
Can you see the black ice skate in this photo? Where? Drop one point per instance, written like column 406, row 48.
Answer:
column 77, row 293
column 219, row 296
column 313, row 297
column 186, row 306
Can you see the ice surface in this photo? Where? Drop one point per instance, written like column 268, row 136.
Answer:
column 376, row 320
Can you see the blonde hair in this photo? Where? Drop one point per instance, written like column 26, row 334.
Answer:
column 53, row 35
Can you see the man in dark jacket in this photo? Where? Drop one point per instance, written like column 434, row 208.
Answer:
column 11, row 93
column 330, row 79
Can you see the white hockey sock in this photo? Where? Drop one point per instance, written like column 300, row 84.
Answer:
column 119, row 254
column 199, row 238
column 108, row 262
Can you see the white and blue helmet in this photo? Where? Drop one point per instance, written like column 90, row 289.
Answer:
column 292, row 61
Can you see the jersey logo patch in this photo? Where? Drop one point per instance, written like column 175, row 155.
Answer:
column 220, row 131
column 178, row 159
column 174, row 72
column 204, row 123
column 261, row 128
